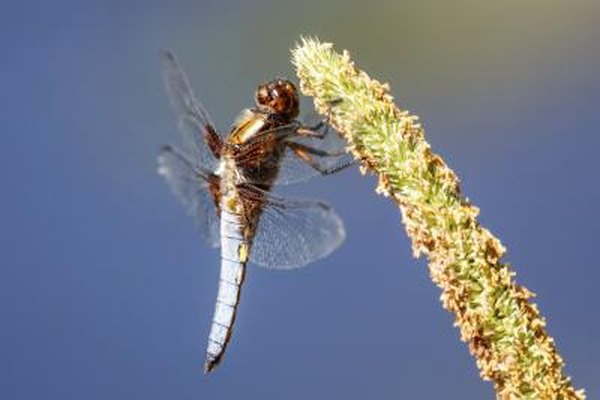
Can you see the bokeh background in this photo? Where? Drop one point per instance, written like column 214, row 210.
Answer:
column 106, row 290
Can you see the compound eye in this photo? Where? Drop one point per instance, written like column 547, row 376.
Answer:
column 262, row 95
column 282, row 104
column 289, row 86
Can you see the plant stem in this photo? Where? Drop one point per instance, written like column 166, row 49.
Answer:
column 503, row 328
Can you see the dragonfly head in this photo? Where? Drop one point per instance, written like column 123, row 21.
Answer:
column 279, row 96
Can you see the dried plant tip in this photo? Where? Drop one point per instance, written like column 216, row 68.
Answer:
column 503, row 329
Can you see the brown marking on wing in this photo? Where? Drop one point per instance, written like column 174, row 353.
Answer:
column 213, row 140
column 215, row 190
column 253, row 203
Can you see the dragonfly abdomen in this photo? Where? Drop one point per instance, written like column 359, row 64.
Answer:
column 234, row 255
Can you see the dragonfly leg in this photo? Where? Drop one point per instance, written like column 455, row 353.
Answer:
column 313, row 131
column 300, row 148
column 307, row 154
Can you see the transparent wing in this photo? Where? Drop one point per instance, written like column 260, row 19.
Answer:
column 292, row 233
column 195, row 125
column 194, row 186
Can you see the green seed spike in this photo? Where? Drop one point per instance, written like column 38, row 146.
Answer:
column 502, row 327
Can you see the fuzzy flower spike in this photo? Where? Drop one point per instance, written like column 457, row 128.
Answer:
column 503, row 329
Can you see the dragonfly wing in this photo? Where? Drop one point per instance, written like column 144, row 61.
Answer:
column 195, row 125
column 194, row 186
column 292, row 233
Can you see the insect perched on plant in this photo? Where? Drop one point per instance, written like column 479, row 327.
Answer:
column 225, row 183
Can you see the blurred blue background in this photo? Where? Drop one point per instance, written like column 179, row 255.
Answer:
column 106, row 290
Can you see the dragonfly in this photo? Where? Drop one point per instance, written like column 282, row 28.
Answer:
column 225, row 182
